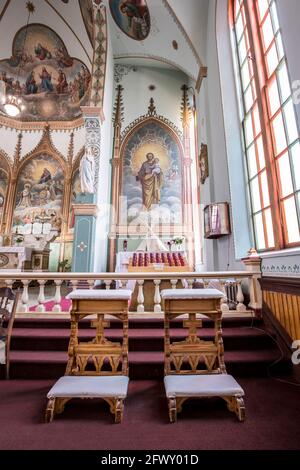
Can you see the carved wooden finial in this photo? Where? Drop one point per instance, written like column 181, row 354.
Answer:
column 118, row 116
column 152, row 108
column 18, row 149
column 71, row 148
column 185, row 106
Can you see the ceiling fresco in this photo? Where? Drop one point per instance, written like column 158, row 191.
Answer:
column 52, row 84
column 132, row 17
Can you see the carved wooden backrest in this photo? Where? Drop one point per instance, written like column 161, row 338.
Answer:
column 8, row 305
column 194, row 355
column 99, row 356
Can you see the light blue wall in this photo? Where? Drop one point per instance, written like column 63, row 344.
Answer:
column 236, row 163
column 226, row 178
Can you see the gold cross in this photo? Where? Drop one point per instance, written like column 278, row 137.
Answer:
column 100, row 324
column 192, row 324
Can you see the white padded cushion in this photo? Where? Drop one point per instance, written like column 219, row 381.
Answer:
column 207, row 385
column 91, row 387
column 99, row 294
column 191, row 294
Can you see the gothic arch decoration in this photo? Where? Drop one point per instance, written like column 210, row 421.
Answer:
column 5, row 173
column 152, row 186
column 45, row 145
column 75, row 188
column 40, row 187
column 52, row 84
column 132, row 17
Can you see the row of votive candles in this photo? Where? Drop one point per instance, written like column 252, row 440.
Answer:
column 171, row 259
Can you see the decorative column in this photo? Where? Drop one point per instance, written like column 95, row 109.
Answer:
column 9, row 208
column 187, row 163
column 67, row 197
column 84, row 237
column 115, row 161
column 253, row 265
column 85, row 207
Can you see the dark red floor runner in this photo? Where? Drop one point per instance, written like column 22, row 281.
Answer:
column 273, row 416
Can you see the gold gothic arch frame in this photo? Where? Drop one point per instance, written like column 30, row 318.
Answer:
column 134, row 127
column 117, row 172
column 5, row 165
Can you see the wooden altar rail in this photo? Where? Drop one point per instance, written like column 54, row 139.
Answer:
column 33, row 285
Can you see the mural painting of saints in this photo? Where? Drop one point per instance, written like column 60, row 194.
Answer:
column 62, row 84
column 151, row 178
column 42, row 52
column 25, row 200
column 30, row 84
column 46, row 176
column 45, row 67
column 46, row 80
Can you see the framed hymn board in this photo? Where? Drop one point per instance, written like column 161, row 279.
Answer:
column 216, row 220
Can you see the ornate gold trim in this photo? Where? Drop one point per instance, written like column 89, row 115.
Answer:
column 6, row 158
column 30, row 126
column 77, row 159
column 93, row 111
column 155, row 117
column 45, row 145
column 99, row 56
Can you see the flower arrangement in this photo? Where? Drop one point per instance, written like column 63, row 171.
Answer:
column 176, row 241
column 64, row 266
column 19, row 239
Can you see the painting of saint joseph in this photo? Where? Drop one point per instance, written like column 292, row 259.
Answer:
column 151, row 178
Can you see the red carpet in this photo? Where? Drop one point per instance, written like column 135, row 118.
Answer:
column 65, row 305
column 273, row 416
column 39, row 347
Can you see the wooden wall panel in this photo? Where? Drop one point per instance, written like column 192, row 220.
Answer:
column 286, row 309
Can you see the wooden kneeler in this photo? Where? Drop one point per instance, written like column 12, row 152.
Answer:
column 97, row 368
column 195, row 368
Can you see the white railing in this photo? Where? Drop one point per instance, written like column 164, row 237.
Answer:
column 44, row 292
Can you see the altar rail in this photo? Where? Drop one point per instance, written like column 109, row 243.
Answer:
column 33, row 284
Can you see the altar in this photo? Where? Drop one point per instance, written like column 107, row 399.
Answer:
column 15, row 258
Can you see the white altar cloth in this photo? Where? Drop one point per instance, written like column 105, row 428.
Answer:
column 23, row 253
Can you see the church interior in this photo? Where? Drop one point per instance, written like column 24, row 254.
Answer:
column 149, row 224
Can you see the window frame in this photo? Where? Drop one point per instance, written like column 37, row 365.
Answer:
column 263, row 82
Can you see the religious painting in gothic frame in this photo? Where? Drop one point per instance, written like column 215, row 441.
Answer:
column 52, row 84
column 4, row 179
column 39, row 195
column 75, row 190
column 151, row 176
column 86, row 7
column 132, row 17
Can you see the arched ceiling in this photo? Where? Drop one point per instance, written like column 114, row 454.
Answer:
column 182, row 21
column 170, row 21
column 177, row 36
column 64, row 18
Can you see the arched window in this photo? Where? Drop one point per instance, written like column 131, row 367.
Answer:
column 270, row 131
